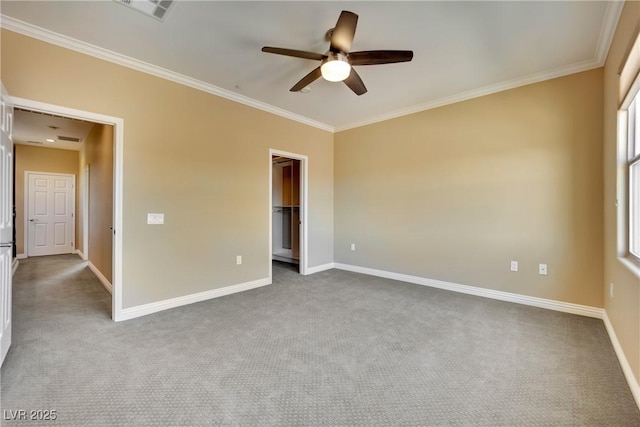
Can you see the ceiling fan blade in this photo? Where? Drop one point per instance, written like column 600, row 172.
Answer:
column 374, row 57
column 307, row 80
column 343, row 33
column 355, row 83
column 295, row 53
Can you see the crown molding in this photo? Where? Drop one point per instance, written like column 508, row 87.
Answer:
column 607, row 31
column 609, row 24
column 476, row 93
column 48, row 36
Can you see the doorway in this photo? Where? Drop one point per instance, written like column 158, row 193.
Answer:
column 113, row 277
column 288, row 209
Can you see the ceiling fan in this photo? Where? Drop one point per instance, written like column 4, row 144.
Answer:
column 337, row 64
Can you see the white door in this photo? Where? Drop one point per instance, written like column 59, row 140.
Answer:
column 51, row 222
column 6, row 222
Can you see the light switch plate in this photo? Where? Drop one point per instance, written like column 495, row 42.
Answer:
column 155, row 218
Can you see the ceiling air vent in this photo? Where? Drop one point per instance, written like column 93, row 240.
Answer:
column 36, row 142
column 69, row 138
column 155, row 8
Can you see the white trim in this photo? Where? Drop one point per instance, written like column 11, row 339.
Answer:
column 118, row 175
column 107, row 285
column 21, row 256
column 48, row 36
column 304, row 207
column 72, row 113
column 14, row 266
column 608, row 30
column 118, row 167
column 319, row 268
column 476, row 93
column 624, row 363
column 80, row 254
column 631, row 265
column 565, row 307
column 85, row 212
column 27, row 199
column 610, row 21
column 154, row 307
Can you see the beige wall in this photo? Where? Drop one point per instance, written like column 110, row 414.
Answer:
column 201, row 160
column 456, row 193
column 453, row 193
column 97, row 153
column 624, row 308
column 39, row 159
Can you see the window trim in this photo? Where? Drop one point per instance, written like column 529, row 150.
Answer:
column 633, row 232
column 629, row 128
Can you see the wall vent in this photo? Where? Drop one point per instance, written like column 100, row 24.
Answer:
column 155, row 8
column 36, row 142
column 69, row 138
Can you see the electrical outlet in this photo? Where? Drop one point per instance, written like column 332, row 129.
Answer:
column 514, row 265
column 542, row 269
column 353, row 246
column 239, row 259
column 155, row 218
column 611, row 286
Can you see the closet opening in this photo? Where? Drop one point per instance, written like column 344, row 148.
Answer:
column 287, row 211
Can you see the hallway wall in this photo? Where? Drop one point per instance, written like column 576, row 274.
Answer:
column 97, row 152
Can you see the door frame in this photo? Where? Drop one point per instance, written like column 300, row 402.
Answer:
column 304, row 199
column 85, row 213
column 26, row 206
column 118, row 145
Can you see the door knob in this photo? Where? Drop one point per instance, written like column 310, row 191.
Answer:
column 33, row 220
column 6, row 245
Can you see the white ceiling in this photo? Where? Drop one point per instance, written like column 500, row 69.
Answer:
column 31, row 128
column 461, row 49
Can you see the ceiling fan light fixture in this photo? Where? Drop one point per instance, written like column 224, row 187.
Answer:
column 336, row 67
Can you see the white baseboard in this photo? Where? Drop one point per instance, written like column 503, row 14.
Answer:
column 154, row 307
column 21, row 256
column 624, row 363
column 80, row 254
column 101, row 277
column 319, row 268
column 14, row 266
column 565, row 307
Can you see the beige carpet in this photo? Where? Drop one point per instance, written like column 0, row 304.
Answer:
column 334, row 348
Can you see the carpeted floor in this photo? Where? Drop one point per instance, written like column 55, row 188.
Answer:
column 334, row 348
